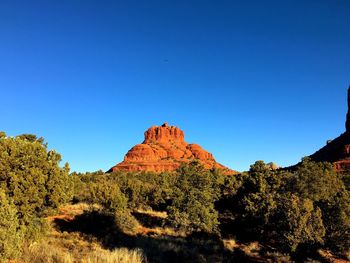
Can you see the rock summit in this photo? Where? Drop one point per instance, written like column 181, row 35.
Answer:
column 165, row 149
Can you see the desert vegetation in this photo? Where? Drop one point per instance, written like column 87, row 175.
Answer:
column 48, row 214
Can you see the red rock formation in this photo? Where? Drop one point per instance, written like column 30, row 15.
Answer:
column 165, row 149
column 337, row 151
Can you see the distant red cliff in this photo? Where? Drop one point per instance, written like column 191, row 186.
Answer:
column 337, row 151
column 165, row 149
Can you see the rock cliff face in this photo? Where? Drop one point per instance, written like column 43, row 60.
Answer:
column 165, row 149
column 337, row 151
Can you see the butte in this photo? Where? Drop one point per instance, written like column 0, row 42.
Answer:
column 165, row 149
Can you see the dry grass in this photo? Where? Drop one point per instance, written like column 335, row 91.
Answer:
column 119, row 255
column 77, row 209
column 68, row 212
column 45, row 253
column 230, row 244
column 158, row 244
column 64, row 247
column 61, row 251
column 330, row 257
column 153, row 213
column 251, row 249
column 159, row 231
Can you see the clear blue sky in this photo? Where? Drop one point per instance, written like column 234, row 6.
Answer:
column 247, row 80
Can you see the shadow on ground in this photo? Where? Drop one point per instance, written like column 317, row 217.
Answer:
column 149, row 221
column 197, row 247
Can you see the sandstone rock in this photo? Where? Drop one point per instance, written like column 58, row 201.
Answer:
column 337, row 151
column 165, row 149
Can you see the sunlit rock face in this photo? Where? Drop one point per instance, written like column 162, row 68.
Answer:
column 165, row 149
column 337, row 151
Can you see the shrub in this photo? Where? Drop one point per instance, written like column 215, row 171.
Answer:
column 125, row 222
column 192, row 207
column 10, row 234
column 108, row 195
column 336, row 216
column 102, row 189
column 296, row 221
column 256, row 198
column 316, row 181
column 32, row 178
column 144, row 189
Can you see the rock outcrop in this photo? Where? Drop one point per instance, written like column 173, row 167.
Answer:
column 165, row 149
column 337, row 151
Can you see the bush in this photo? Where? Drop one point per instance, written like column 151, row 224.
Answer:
column 296, row 221
column 144, row 189
column 108, row 195
column 125, row 222
column 32, row 178
column 102, row 189
column 10, row 234
column 336, row 216
column 192, row 207
column 316, row 181
column 255, row 201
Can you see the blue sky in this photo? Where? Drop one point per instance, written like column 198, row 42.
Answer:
column 247, row 80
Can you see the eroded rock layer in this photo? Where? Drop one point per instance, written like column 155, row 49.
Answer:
column 165, row 149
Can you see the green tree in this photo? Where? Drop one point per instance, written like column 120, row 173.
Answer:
column 336, row 217
column 316, row 180
column 296, row 221
column 32, row 178
column 99, row 188
column 192, row 207
column 258, row 194
column 10, row 234
column 31, row 138
column 108, row 195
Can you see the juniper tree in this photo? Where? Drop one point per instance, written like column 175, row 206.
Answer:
column 31, row 176
column 10, row 234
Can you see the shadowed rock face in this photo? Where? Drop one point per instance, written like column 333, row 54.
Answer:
column 337, row 151
column 347, row 123
column 164, row 149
